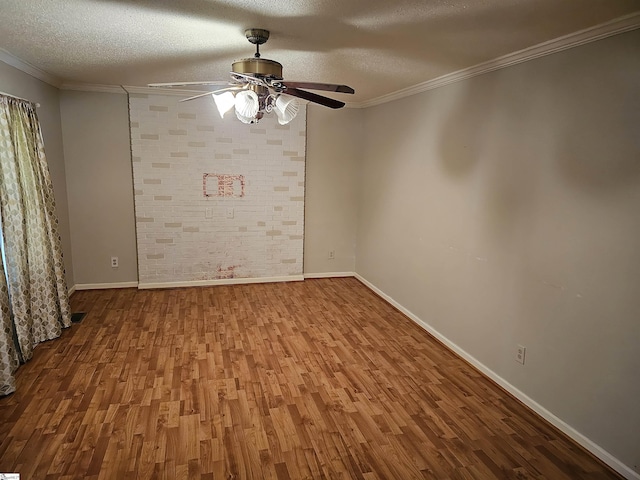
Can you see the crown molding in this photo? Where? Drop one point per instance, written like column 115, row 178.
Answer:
column 581, row 37
column 90, row 87
column 29, row 69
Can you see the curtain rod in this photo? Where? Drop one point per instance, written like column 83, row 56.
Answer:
column 19, row 98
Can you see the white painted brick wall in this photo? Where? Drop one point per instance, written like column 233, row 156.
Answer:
column 173, row 146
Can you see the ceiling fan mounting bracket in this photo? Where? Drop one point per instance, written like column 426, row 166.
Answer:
column 257, row 36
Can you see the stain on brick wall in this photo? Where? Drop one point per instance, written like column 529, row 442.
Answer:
column 222, row 185
column 226, row 272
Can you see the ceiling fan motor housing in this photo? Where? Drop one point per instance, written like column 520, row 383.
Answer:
column 259, row 67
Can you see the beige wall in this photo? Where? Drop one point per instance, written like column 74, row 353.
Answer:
column 334, row 145
column 504, row 210
column 15, row 82
column 97, row 154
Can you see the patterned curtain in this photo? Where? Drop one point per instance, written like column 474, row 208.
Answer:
column 34, row 302
column 8, row 356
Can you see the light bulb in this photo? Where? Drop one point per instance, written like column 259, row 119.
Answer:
column 244, row 119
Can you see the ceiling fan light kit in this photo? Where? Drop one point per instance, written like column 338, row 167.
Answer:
column 257, row 87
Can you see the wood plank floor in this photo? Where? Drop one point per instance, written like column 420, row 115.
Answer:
column 314, row 379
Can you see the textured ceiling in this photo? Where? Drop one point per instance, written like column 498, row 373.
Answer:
column 375, row 46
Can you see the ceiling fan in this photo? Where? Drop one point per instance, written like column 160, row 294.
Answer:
column 257, row 87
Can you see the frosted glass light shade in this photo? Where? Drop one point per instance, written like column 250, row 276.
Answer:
column 247, row 104
column 286, row 108
column 224, row 101
column 244, row 119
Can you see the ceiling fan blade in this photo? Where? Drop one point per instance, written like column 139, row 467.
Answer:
column 315, row 98
column 209, row 93
column 186, row 84
column 329, row 87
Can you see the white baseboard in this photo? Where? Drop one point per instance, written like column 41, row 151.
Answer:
column 206, row 283
column 567, row 429
column 223, row 281
column 103, row 286
column 329, row 275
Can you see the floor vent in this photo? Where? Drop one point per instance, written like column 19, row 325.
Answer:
column 77, row 317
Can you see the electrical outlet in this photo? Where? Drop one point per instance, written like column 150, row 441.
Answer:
column 114, row 262
column 230, row 212
column 208, row 213
column 520, row 354
column 332, row 255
